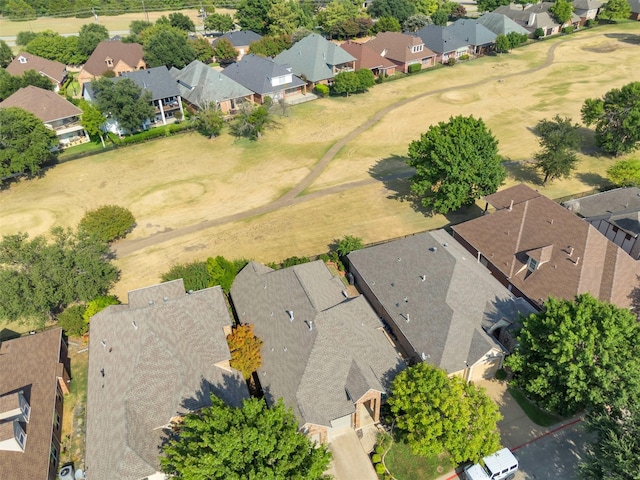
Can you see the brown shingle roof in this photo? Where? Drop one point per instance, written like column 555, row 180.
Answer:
column 129, row 53
column 30, row 364
column 397, row 46
column 48, row 106
column 581, row 259
column 25, row 61
column 366, row 57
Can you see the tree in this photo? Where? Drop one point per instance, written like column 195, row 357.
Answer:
column 25, row 143
column 426, row 7
column 24, row 37
column 456, row 163
column 457, row 11
column 366, row 78
column 416, row 22
column 217, row 22
column 578, row 354
column 203, row 49
column 92, row 120
column 253, row 15
column 625, row 173
column 136, row 27
column 562, row 10
column 54, row 46
column 440, row 414
column 97, row 305
column 181, row 22
column 285, row 16
column 6, row 55
column 18, row 10
column 399, row 9
column 616, row 117
column 338, row 17
column 616, row 10
column 387, row 24
column 107, row 223
column 91, row 34
column 124, row 101
column 223, row 272
column 491, row 5
column 440, row 17
column 346, row 83
column 254, row 441
column 245, row 350
column 503, row 45
column 252, row 121
column 166, row 45
column 516, row 39
column 9, row 84
column 559, row 139
column 209, row 120
column 269, row 46
column 72, row 322
column 225, row 52
column 195, row 275
column 348, row 244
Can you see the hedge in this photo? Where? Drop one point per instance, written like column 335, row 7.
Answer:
column 414, row 67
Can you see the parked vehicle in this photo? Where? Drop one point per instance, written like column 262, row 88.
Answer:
column 501, row 465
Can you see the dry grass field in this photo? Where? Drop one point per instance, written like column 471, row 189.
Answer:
column 180, row 188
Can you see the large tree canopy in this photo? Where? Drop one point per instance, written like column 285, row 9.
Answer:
column 91, row 34
column 577, row 354
column 244, row 347
column 6, row 55
column 625, row 173
column 398, row 9
column 54, row 46
column 616, row 10
column 559, row 139
column 444, row 414
column 253, row 15
column 124, row 101
column 9, row 84
column 616, row 117
column 166, row 45
column 562, row 10
column 252, row 442
column 456, row 163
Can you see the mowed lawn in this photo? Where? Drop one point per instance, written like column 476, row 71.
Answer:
column 181, row 182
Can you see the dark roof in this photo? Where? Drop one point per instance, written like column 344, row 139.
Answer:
column 366, row 57
column 333, row 344
column 129, row 53
column 156, row 80
column 437, row 295
column 24, row 61
column 635, row 5
column 255, row 73
column 582, row 259
column 501, row 24
column 157, row 357
column 532, row 16
column 32, row 364
column 587, row 4
column 397, row 46
column 48, row 106
column 471, row 32
column 241, row 38
column 441, row 39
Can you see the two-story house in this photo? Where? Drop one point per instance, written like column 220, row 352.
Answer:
column 112, row 56
column 54, row 71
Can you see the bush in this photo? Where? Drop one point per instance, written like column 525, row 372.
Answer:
column 291, row 261
column 376, row 458
column 568, row 29
column 452, row 61
column 348, row 244
column 464, row 57
column 538, row 33
column 72, row 321
column 589, row 23
column 414, row 67
column 107, row 223
column 98, row 304
column 380, row 469
column 195, row 275
column 321, row 90
column 324, row 257
column 501, row 374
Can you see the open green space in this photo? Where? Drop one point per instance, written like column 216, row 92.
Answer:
column 404, row 465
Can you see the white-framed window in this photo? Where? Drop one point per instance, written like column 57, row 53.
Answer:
column 58, row 420
column 22, row 438
column 417, row 48
column 26, row 411
column 109, row 62
column 21, row 59
column 532, row 264
column 53, row 456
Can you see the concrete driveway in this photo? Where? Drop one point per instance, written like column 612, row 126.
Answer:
column 350, row 461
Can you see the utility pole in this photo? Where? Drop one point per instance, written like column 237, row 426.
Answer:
column 145, row 11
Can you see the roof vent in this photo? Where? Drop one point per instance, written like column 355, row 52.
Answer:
column 399, row 259
column 310, row 324
column 345, row 293
column 406, row 299
column 166, row 299
column 103, row 343
column 408, row 318
column 190, row 292
column 134, row 325
column 425, row 356
column 290, row 313
column 433, row 249
column 150, row 302
column 511, row 205
column 423, row 278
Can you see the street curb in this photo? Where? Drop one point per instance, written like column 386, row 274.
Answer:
column 550, row 432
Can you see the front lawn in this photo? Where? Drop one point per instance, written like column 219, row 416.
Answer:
column 404, row 465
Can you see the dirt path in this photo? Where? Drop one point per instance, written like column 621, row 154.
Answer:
column 293, row 196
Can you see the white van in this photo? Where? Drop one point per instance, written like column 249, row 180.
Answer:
column 501, row 465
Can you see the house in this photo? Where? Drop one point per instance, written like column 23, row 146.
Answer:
column 241, row 40
column 635, row 9
column 54, row 71
column 402, row 49
column 479, row 38
column 201, row 85
column 266, row 78
column 443, row 42
column 34, row 377
column 615, row 213
column 534, row 16
column 56, row 112
column 326, row 355
column 151, row 362
column 112, row 56
column 316, row 59
column 537, row 248
column 587, row 9
column 500, row 24
column 439, row 304
column 366, row 57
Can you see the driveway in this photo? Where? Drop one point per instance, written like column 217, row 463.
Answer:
column 350, row 461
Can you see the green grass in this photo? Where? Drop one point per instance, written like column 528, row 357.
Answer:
column 404, row 465
column 75, row 401
column 536, row 414
column 82, row 148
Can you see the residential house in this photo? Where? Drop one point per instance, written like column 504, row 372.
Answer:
column 200, row 85
column 534, row 16
column 56, row 112
column 615, row 213
column 402, row 49
column 439, row 304
column 587, row 9
column 478, row 37
column 266, row 78
column 316, row 59
column 241, row 40
column 54, row 71
column 325, row 354
column 112, row 56
column 34, row 377
column 537, row 248
column 635, row 9
column 151, row 362
column 501, row 24
column 443, row 42
column 366, row 57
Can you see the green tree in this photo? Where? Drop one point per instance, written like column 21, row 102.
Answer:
column 91, row 34
column 346, row 83
column 195, row 275
column 98, row 304
column 124, row 101
column 54, row 46
column 562, row 10
column 456, row 11
column 252, row 121
column 92, row 120
column 136, row 27
column 616, row 10
column 9, row 84
column 181, row 21
column 71, row 321
column 456, row 163
column 209, row 120
column 107, row 223
column 399, row 9
column 24, row 37
column 491, row 5
column 440, row 17
column 503, row 45
column 269, row 46
column 560, row 140
column 348, row 244
column 225, row 52
column 285, row 16
column 203, row 49
column 166, row 45
column 217, row 22
column 223, row 272
column 253, row 15
column 254, row 441
column 335, row 16
column 387, row 24
column 6, row 55
column 516, row 39
column 426, row 7
column 18, row 10
column 244, row 347
column 625, row 173
column 440, row 414
column 416, row 22
column 616, row 117
column 366, row 78
column 25, row 143
column 578, row 354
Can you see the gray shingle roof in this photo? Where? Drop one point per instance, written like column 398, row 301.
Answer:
column 255, row 73
column 532, row 16
column 587, row 4
column 471, row 32
column 240, row 38
column 432, row 281
column 200, row 84
column 440, row 39
column 314, row 57
column 159, row 356
column 501, row 24
column 312, row 368
column 635, row 5
column 156, row 80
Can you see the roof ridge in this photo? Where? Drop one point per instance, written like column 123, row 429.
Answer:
column 524, row 216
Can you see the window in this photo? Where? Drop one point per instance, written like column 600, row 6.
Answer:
column 26, row 411
column 417, row 48
column 53, row 456
column 57, row 421
column 109, row 62
column 532, row 264
column 22, row 437
column 21, row 59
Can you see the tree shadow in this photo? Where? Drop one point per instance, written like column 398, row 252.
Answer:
column 588, row 142
column 523, row 171
column 625, row 37
column 592, row 179
column 394, row 173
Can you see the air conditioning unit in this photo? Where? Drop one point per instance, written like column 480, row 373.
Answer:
column 66, row 473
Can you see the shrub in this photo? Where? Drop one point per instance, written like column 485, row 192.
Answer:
column 195, row 275
column 107, row 223
column 98, row 304
column 72, row 322
column 324, row 257
column 501, row 374
column 538, row 33
column 379, row 449
column 348, row 244
column 568, row 29
column 414, row 67
column 376, row 458
column 464, row 57
column 291, row 261
column 321, row 90
column 451, row 62
column 589, row 23
column 380, row 469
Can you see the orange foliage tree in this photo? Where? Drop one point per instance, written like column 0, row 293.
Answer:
column 245, row 350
